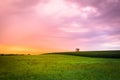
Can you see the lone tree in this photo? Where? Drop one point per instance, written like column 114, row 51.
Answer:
column 77, row 50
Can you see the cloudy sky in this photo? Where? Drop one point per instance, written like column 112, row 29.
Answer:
column 59, row 25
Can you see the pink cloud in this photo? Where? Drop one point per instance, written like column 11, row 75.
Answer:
column 57, row 24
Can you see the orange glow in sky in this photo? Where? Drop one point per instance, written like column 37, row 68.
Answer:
column 40, row 26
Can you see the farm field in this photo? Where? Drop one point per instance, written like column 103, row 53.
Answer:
column 59, row 67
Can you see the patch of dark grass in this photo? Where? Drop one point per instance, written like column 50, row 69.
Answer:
column 96, row 54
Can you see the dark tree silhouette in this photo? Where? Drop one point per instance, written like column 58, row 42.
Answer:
column 77, row 50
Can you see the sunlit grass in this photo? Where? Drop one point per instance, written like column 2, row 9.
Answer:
column 58, row 67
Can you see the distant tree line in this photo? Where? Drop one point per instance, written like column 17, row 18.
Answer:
column 13, row 54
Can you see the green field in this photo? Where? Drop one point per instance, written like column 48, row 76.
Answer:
column 59, row 67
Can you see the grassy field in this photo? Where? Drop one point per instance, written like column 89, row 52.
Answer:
column 59, row 67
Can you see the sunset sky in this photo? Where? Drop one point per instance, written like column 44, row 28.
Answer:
column 59, row 25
